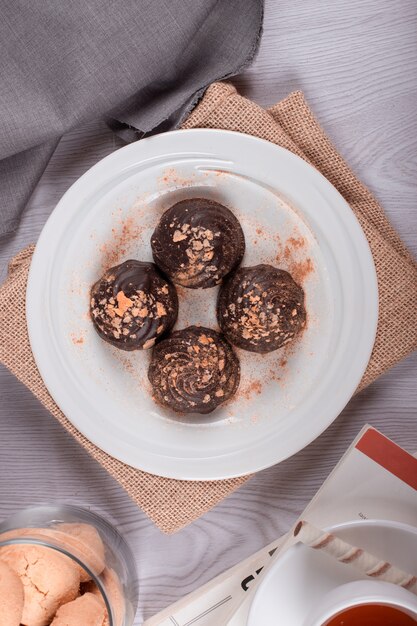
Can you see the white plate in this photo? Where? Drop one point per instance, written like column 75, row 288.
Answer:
column 298, row 580
column 291, row 216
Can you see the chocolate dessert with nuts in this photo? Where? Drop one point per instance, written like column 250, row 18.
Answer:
column 194, row 370
column 133, row 305
column 197, row 242
column 260, row 308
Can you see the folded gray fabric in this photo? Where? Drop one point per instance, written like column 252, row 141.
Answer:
column 139, row 64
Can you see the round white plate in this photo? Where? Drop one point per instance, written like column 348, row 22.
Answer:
column 292, row 217
column 298, row 580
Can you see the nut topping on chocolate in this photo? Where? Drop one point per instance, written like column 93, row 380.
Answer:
column 194, row 370
column 133, row 305
column 197, row 242
column 260, row 308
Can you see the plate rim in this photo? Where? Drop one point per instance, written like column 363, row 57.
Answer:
column 42, row 257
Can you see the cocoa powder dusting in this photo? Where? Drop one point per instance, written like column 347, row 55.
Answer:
column 253, row 387
column 123, row 234
column 296, row 242
column 77, row 340
column 170, row 176
column 292, row 244
column 256, row 387
column 301, row 269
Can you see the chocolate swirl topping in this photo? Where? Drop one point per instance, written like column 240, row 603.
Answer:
column 260, row 308
column 194, row 370
column 197, row 242
column 132, row 305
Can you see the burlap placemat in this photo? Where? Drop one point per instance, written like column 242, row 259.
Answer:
column 172, row 504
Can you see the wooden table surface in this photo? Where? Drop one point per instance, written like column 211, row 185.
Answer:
column 356, row 61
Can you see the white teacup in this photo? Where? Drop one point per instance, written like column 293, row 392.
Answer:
column 362, row 592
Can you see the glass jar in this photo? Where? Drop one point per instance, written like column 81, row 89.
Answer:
column 102, row 557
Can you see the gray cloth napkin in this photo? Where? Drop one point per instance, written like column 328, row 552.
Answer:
column 139, row 64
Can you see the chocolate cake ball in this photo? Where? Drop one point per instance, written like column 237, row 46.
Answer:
column 260, row 308
column 194, row 370
column 197, row 242
column 133, row 305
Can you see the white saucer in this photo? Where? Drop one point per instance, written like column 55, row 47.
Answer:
column 297, row 580
column 292, row 217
